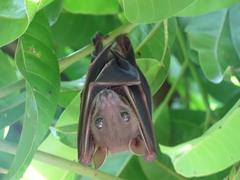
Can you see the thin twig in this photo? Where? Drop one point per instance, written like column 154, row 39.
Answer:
column 60, row 162
column 85, row 51
column 204, row 94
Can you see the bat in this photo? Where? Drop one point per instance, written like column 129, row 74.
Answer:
column 116, row 105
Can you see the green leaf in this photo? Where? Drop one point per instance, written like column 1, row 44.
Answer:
column 66, row 134
column 234, row 14
column 96, row 7
column 158, row 170
column 38, row 64
column 162, row 124
column 47, row 171
column 11, row 109
column 75, row 36
column 65, row 129
column 15, row 16
column 153, row 40
column 209, row 35
column 219, row 147
column 71, row 113
column 130, row 169
column 154, row 71
column 7, row 70
column 53, row 11
column 140, row 11
column 199, row 7
column 186, row 125
column 12, row 106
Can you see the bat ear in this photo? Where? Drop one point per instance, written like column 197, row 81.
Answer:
column 98, row 44
column 125, row 47
column 137, row 146
column 99, row 157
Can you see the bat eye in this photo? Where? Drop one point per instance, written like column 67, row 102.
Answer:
column 125, row 116
column 99, row 123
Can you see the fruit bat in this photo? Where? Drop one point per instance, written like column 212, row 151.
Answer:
column 115, row 112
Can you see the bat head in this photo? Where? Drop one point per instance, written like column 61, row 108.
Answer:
column 114, row 125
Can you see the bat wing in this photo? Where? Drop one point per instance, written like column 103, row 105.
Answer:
column 141, row 98
column 85, row 141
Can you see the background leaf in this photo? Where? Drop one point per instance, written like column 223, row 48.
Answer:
column 138, row 11
column 219, row 146
column 38, row 64
column 215, row 49
column 199, row 7
column 153, row 70
column 16, row 16
column 97, row 7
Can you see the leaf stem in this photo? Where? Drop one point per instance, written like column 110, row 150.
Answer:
column 60, row 162
column 148, row 37
column 13, row 87
column 192, row 68
column 85, row 51
column 165, row 27
column 174, row 86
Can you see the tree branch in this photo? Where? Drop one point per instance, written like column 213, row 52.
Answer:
column 60, row 162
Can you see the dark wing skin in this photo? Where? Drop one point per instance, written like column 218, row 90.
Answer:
column 116, row 70
column 141, row 96
column 85, row 141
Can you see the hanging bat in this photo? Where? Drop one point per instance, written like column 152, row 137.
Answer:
column 115, row 105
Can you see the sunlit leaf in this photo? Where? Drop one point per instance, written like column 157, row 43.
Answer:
column 154, row 71
column 38, row 64
column 97, row 7
column 209, row 35
column 199, row 7
column 219, row 147
column 15, row 16
column 138, row 11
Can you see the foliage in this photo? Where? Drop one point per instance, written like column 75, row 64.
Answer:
column 189, row 51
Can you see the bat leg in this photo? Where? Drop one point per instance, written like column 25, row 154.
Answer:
column 125, row 48
column 98, row 44
column 99, row 156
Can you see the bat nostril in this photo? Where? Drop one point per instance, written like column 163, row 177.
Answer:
column 110, row 95
column 106, row 94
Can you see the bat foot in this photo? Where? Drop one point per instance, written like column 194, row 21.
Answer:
column 150, row 156
column 85, row 161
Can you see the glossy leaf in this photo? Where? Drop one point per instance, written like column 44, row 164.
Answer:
column 71, row 113
column 11, row 106
column 151, row 41
column 199, row 7
column 158, row 170
column 38, row 64
column 209, row 35
column 138, row 11
column 234, row 13
column 53, row 11
column 66, row 134
column 186, row 125
column 7, row 70
column 11, row 109
column 97, row 7
column 75, row 36
column 17, row 15
column 133, row 166
column 219, row 147
column 46, row 170
column 154, row 71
